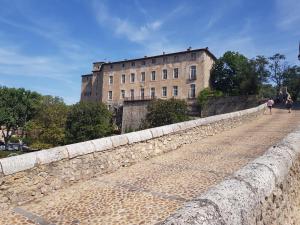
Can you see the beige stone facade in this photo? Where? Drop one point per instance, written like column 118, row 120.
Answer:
column 180, row 75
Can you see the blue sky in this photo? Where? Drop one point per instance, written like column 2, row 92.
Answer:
column 46, row 45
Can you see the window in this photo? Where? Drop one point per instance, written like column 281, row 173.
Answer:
column 111, row 80
column 132, row 64
column 193, row 56
column 153, row 75
column 165, row 59
column 123, row 65
column 164, row 92
column 192, row 93
column 142, row 93
column 132, row 78
column 122, row 94
column 193, row 73
column 175, row 73
column 110, row 95
column 143, row 62
column 153, row 61
column 165, row 74
column 132, row 94
column 152, row 92
column 123, row 79
column 111, row 66
column 176, row 58
column 143, row 77
column 175, row 91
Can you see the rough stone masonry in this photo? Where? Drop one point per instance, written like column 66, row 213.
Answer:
column 30, row 176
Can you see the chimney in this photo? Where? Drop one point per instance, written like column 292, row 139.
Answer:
column 189, row 48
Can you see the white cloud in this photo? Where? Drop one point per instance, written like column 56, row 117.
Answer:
column 149, row 34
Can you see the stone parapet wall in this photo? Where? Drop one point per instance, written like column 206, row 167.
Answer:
column 30, row 176
column 265, row 191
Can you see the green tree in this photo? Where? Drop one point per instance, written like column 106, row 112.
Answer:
column 267, row 91
column 234, row 74
column 88, row 120
column 163, row 112
column 17, row 106
column 277, row 67
column 47, row 128
column 292, row 81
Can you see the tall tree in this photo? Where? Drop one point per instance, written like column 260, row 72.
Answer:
column 277, row 67
column 234, row 74
column 292, row 81
column 88, row 120
column 47, row 128
column 17, row 106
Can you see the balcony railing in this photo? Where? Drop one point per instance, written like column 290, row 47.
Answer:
column 139, row 98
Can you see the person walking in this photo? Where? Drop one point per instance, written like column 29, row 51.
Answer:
column 289, row 104
column 270, row 104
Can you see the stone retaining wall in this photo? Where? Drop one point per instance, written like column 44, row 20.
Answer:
column 27, row 177
column 264, row 192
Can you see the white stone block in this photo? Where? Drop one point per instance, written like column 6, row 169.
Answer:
column 18, row 163
column 119, row 140
column 235, row 201
column 81, row 148
column 133, row 137
column 51, row 155
column 156, row 132
column 102, row 144
column 278, row 164
column 176, row 127
column 196, row 212
column 145, row 135
column 168, row 129
column 259, row 177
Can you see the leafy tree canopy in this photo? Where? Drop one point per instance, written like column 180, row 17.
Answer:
column 17, row 106
column 163, row 112
column 47, row 128
column 234, row 74
column 86, row 121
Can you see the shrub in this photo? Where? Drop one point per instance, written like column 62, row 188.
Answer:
column 163, row 112
column 205, row 94
column 88, row 120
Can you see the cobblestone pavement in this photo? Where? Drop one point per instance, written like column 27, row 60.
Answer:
column 148, row 192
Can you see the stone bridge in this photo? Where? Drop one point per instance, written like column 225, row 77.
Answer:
column 236, row 168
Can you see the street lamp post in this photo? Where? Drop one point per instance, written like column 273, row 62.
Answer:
column 299, row 52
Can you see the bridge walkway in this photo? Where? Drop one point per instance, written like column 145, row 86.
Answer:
column 150, row 191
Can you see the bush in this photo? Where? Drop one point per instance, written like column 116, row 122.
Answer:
column 163, row 112
column 88, row 120
column 205, row 94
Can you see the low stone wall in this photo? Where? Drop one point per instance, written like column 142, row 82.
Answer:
column 30, row 176
column 227, row 104
column 265, row 191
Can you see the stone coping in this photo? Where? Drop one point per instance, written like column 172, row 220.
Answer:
column 234, row 200
column 27, row 161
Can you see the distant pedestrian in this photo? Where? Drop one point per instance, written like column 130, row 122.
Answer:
column 289, row 104
column 270, row 104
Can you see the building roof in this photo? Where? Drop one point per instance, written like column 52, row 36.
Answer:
column 156, row 56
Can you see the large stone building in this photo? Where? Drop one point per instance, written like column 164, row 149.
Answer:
column 176, row 75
